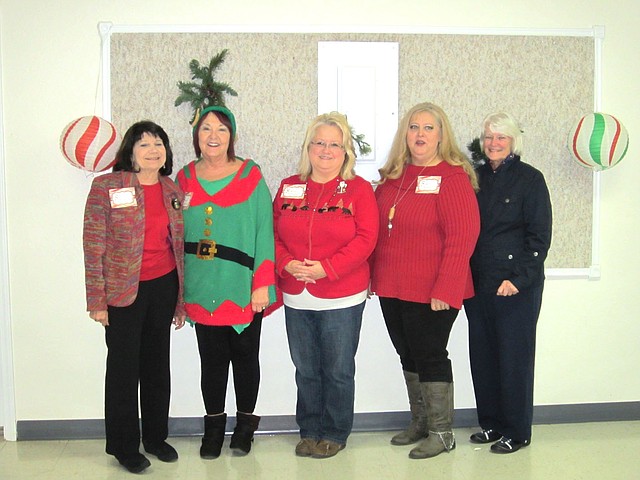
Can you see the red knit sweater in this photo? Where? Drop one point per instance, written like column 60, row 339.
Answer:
column 433, row 236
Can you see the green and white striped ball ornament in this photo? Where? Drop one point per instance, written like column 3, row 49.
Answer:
column 598, row 141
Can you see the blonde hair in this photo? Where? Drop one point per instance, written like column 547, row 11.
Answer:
column 335, row 119
column 448, row 150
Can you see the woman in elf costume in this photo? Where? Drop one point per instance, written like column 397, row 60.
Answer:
column 229, row 273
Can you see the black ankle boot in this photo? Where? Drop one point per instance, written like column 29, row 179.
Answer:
column 134, row 462
column 214, row 427
column 246, row 425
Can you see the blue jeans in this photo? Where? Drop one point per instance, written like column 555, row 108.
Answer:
column 323, row 346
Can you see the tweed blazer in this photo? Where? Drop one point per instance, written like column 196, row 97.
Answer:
column 113, row 240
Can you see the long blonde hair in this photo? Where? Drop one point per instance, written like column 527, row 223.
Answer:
column 335, row 119
column 448, row 150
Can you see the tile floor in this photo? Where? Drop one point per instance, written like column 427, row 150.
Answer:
column 590, row 451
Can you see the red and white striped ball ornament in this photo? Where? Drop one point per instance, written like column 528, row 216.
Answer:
column 90, row 143
column 598, row 141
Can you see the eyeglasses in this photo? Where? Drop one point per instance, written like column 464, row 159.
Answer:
column 331, row 146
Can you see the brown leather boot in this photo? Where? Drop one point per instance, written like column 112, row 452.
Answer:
column 438, row 398
column 418, row 428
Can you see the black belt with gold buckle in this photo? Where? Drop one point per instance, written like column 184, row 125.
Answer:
column 208, row 250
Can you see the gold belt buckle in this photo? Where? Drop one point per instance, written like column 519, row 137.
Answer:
column 206, row 250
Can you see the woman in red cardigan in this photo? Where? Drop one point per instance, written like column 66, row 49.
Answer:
column 429, row 225
column 133, row 255
column 326, row 224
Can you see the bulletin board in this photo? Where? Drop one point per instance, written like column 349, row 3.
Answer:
column 546, row 79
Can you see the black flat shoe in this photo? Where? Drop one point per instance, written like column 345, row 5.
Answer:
column 508, row 445
column 135, row 462
column 162, row 450
column 485, row 436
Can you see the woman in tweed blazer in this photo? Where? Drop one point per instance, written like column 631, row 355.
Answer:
column 134, row 256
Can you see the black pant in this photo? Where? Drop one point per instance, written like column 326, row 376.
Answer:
column 420, row 337
column 219, row 346
column 138, row 341
column 502, row 345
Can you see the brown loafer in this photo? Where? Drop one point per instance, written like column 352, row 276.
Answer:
column 327, row 448
column 306, row 447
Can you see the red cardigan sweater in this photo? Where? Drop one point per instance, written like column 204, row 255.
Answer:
column 333, row 223
column 433, row 236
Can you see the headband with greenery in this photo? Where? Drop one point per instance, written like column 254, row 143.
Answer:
column 203, row 92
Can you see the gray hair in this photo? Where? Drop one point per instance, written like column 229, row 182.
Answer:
column 501, row 122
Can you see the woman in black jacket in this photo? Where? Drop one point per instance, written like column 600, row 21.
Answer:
column 508, row 275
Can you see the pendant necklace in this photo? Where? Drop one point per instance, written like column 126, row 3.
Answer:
column 392, row 210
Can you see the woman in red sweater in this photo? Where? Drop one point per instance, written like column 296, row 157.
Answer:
column 326, row 225
column 429, row 224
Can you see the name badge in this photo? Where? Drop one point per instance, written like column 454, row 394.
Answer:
column 295, row 191
column 187, row 200
column 429, row 184
column 122, row 197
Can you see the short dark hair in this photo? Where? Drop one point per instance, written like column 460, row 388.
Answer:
column 124, row 156
column 231, row 152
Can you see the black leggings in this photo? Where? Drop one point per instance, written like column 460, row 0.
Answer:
column 420, row 336
column 220, row 346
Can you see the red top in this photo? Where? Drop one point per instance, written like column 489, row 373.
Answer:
column 334, row 222
column 157, row 256
column 427, row 253
column 113, row 240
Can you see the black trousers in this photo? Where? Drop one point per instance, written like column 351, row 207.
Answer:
column 420, row 337
column 502, row 344
column 221, row 346
column 138, row 342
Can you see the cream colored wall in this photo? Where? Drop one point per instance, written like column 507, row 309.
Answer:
column 51, row 58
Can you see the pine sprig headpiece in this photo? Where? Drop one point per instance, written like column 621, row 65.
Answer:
column 204, row 91
column 478, row 157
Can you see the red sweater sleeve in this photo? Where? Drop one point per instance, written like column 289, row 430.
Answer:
column 460, row 221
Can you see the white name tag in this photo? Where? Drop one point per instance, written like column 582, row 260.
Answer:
column 122, row 197
column 187, row 200
column 295, row 191
column 428, row 184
